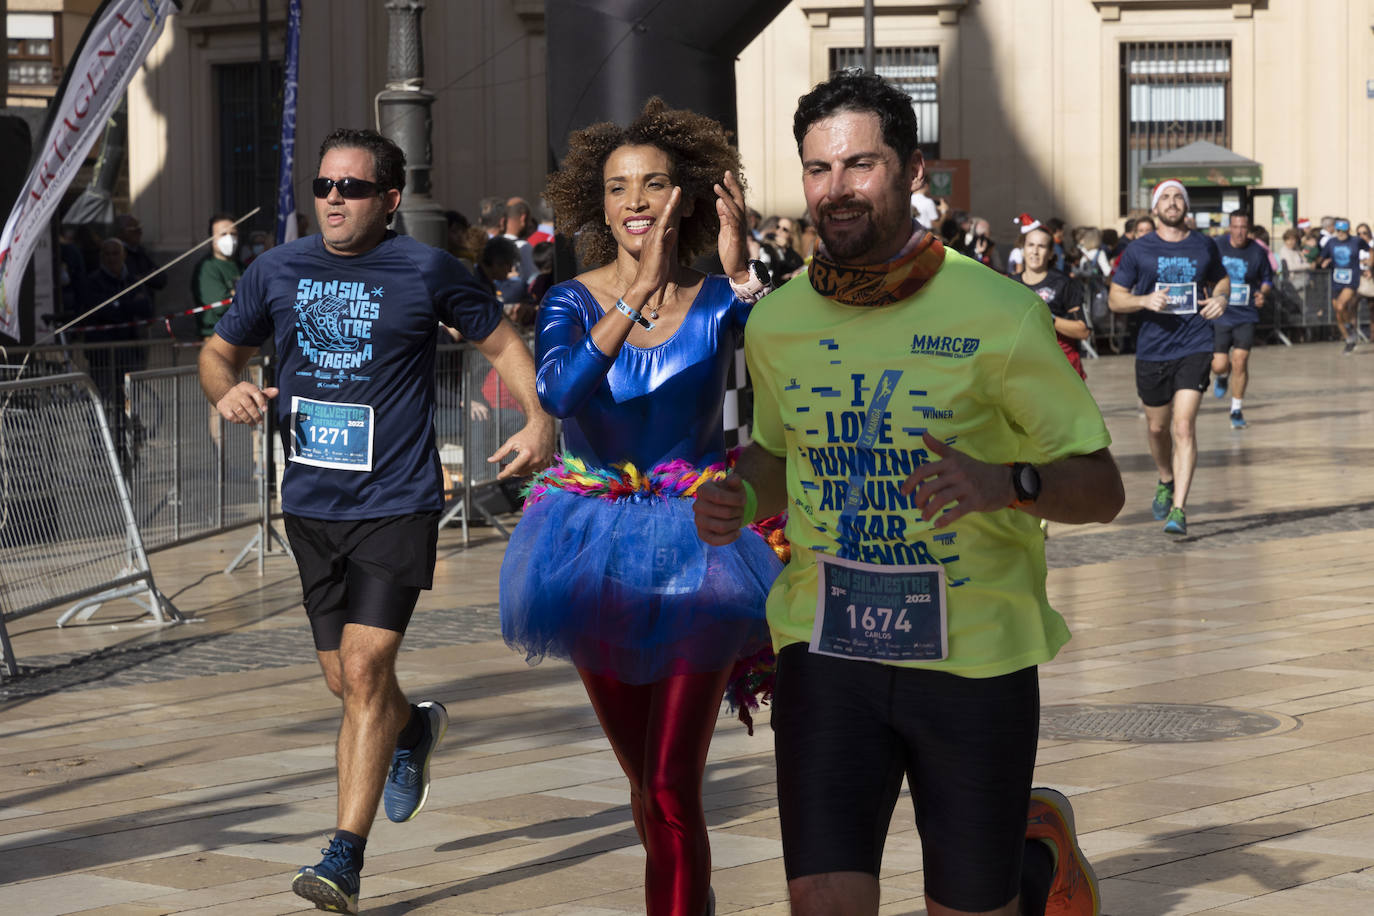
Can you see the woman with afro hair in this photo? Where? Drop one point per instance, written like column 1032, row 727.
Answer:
column 605, row 567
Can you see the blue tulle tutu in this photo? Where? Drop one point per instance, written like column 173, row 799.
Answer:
column 625, row 588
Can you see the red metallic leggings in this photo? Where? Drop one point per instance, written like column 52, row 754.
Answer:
column 660, row 733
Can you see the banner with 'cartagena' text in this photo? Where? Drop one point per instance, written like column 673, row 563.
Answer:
column 116, row 42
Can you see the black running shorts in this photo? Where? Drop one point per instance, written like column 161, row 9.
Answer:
column 368, row 571
column 846, row 732
column 1240, row 336
column 1156, row 381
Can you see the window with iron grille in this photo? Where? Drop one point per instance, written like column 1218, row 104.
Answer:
column 248, row 164
column 916, row 71
column 1172, row 93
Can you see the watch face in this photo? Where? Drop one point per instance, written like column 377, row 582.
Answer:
column 1028, row 482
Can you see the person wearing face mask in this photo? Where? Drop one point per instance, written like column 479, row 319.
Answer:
column 605, row 567
column 258, row 242
column 216, row 276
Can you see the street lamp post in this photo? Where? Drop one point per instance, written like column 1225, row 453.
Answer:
column 404, row 115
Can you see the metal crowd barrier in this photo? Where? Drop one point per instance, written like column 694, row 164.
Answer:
column 92, row 480
column 1299, row 309
column 67, row 526
column 474, row 415
column 191, row 474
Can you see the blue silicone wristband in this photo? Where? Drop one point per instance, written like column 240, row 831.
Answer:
column 637, row 317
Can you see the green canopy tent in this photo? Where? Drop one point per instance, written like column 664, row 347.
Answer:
column 1202, row 165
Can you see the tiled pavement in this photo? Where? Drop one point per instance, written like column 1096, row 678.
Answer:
column 152, row 771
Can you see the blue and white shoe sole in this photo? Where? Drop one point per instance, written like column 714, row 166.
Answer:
column 431, row 708
column 325, row 894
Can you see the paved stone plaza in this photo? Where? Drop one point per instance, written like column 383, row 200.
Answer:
column 189, row 769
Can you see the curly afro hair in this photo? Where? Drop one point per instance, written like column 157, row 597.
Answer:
column 699, row 152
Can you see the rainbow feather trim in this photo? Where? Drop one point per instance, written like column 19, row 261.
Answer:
column 751, row 680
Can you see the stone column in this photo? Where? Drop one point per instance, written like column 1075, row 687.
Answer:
column 404, row 109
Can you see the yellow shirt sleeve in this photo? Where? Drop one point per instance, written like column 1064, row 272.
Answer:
column 1045, row 398
column 767, row 429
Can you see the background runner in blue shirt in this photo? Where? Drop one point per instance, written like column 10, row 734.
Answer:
column 355, row 315
column 1174, row 278
column 1341, row 254
column 1252, row 277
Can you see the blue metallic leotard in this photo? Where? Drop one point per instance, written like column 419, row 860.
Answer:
column 647, row 405
column 623, row 586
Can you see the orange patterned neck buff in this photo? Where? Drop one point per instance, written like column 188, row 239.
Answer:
column 879, row 284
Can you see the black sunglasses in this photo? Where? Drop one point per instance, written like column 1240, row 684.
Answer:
column 349, row 188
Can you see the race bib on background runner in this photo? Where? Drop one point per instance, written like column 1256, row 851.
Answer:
column 1182, row 298
column 880, row 613
column 1240, row 294
column 330, row 434
column 1342, row 276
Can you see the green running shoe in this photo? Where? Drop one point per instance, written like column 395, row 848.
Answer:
column 1176, row 523
column 1164, row 498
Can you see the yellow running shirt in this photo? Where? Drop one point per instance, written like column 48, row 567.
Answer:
column 972, row 357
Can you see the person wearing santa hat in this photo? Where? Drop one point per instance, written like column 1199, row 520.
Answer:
column 1175, row 280
column 1058, row 291
column 1016, row 260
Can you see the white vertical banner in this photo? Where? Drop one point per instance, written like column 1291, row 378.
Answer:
column 114, row 46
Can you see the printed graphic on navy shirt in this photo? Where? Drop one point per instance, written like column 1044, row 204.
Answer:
column 334, row 324
column 1151, row 261
column 356, row 340
column 1345, row 261
column 1249, row 271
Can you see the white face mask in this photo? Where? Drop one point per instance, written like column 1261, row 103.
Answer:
column 226, row 245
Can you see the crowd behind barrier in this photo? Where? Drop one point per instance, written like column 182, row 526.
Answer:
column 1298, row 310
column 96, row 477
column 185, row 474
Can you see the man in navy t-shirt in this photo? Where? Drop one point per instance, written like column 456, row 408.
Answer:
column 355, row 314
column 1341, row 253
column 1175, row 279
column 1247, row 265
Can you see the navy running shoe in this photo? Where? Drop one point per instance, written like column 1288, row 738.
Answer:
column 1238, row 420
column 1219, row 386
column 407, row 782
column 333, row 884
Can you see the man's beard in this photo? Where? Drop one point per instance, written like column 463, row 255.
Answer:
column 852, row 248
column 1174, row 224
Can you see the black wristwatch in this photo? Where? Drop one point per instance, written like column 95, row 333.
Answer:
column 1025, row 480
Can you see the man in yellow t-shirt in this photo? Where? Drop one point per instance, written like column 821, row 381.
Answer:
column 915, row 416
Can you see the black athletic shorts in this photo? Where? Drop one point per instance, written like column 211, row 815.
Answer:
column 1240, row 336
column 1156, row 381
column 368, row 571
column 845, row 734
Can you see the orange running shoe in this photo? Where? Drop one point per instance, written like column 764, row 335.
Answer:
column 1074, row 889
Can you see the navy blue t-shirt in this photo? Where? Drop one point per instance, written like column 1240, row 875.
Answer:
column 1249, row 270
column 1345, row 260
column 1149, row 261
column 355, row 341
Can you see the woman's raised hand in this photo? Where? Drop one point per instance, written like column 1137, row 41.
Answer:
column 734, row 252
column 658, row 257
